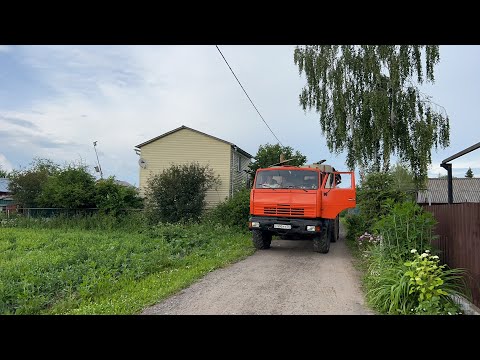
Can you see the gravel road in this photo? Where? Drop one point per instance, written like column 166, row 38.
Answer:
column 289, row 278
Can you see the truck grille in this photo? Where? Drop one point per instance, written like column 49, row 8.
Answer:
column 283, row 210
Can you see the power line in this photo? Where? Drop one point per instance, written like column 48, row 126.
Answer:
column 247, row 95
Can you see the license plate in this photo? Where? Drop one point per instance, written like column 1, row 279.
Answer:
column 281, row 226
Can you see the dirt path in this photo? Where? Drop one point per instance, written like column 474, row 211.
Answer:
column 287, row 279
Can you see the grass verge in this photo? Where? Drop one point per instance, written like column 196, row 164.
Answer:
column 60, row 271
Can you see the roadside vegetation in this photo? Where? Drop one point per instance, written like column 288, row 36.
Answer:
column 391, row 236
column 114, row 261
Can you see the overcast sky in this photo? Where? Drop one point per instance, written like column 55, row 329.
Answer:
column 56, row 100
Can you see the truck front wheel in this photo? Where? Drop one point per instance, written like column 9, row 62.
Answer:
column 261, row 240
column 321, row 242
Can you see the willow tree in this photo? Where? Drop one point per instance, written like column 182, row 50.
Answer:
column 370, row 105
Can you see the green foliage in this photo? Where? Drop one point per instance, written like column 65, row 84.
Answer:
column 431, row 284
column 67, row 270
column 372, row 197
column 469, row 173
column 113, row 198
column 404, row 180
column 27, row 184
column 419, row 286
column 270, row 154
column 3, row 173
column 370, row 103
column 357, row 224
column 133, row 221
column 407, row 226
column 232, row 212
column 71, row 187
column 387, row 285
column 178, row 193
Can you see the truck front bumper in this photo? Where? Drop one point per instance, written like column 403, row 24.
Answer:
column 284, row 226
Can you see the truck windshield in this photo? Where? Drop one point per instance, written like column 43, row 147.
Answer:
column 286, row 179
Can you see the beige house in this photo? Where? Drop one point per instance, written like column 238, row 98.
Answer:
column 184, row 145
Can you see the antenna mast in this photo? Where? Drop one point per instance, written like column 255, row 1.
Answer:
column 97, row 168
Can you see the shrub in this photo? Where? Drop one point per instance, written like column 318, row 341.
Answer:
column 113, row 198
column 431, row 284
column 232, row 212
column 418, row 286
column 27, row 184
column 178, row 193
column 406, row 227
column 372, row 197
column 72, row 187
column 357, row 224
column 373, row 194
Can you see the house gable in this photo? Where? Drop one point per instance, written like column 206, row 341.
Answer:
column 184, row 146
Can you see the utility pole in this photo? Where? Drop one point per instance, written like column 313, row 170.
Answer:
column 97, row 168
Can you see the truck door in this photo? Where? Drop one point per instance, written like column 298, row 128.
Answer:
column 338, row 193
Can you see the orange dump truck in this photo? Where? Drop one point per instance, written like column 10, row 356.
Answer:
column 299, row 203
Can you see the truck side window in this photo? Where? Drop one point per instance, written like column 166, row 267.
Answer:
column 330, row 182
column 346, row 182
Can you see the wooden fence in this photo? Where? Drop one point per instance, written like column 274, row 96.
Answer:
column 458, row 229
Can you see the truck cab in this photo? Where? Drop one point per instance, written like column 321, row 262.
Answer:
column 299, row 203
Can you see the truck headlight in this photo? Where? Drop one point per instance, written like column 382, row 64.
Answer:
column 310, row 227
column 255, row 224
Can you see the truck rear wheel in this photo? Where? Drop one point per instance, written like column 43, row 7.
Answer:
column 261, row 240
column 321, row 242
column 335, row 227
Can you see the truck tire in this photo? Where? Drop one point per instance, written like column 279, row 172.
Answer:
column 261, row 240
column 338, row 228
column 321, row 242
column 335, row 227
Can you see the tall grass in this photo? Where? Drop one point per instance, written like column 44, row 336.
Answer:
column 133, row 221
column 105, row 265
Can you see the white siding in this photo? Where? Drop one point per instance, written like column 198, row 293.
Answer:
column 238, row 175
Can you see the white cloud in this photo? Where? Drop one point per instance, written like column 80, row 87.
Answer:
column 4, row 163
column 121, row 96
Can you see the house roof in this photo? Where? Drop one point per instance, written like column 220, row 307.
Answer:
column 4, row 185
column 123, row 183
column 464, row 190
column 186, row 127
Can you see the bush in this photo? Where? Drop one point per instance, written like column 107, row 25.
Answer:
column 406, row 227
column 113, row 198
column 72, row 187
column 27, row 184
column 431, row 284
column 232, row 212
column 372, row 197
column 356, row 226
column 178, row 193
column 418, row 286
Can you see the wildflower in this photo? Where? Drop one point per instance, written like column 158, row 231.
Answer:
column 427, row 251
column 424, row 255
column 435, row 257
column 413, row 251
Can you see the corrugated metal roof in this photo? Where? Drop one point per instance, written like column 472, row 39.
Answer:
column 464, row 190
column 4, row 185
